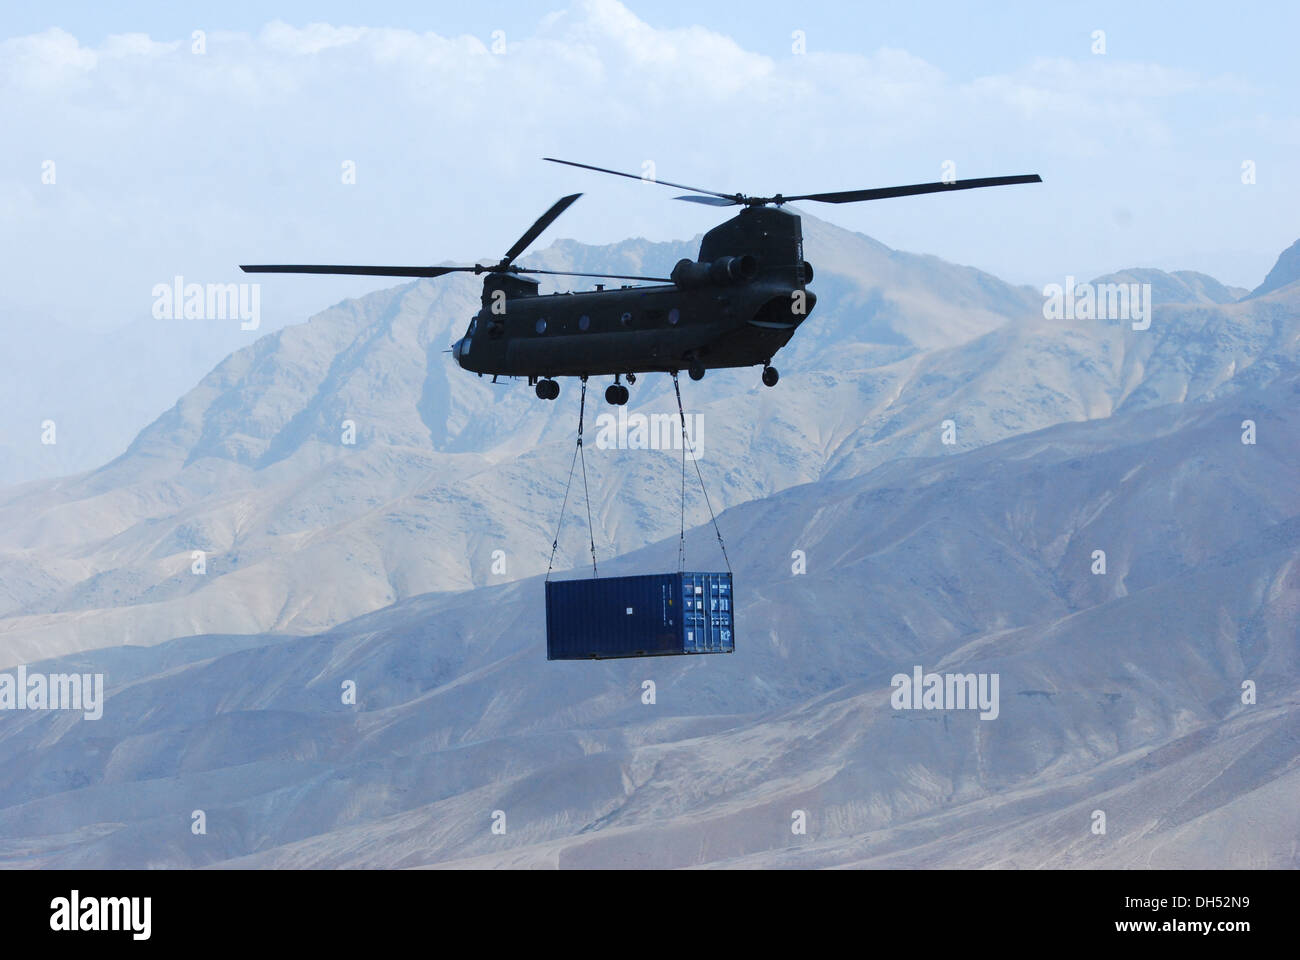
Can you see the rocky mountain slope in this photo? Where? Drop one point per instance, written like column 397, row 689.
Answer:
column 300, row 531
column 1120, row 692
column 1284, row 273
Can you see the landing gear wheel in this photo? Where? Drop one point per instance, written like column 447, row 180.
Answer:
column 696, row 371
column 770, row 376
column 616, row 394
column 547, row 389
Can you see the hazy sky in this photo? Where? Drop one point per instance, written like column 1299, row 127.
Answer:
column 167, row 161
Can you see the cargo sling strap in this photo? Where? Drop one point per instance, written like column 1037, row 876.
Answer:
column 577, row 453
column 681, row 541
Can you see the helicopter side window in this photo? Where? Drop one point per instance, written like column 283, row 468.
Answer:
column 541, row 325
column 674, row 315
column 626, row 319
column 584, row 322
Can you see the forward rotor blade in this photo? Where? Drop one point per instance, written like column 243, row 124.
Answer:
column 352, row 269
column 711, row 201
column 426, row 271
column 882, row 193
column 632, row 176
column 535, row 231
column 607, row 276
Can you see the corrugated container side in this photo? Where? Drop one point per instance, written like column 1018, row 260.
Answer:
column 639, row 616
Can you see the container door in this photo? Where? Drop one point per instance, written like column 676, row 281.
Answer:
column 707, row 613
column 717, row 587
column 722, row 615
column 695, row 620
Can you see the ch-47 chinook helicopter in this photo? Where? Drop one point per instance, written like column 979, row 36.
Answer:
column 736, row 305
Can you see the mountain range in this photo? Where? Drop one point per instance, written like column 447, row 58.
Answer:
column 300, row 531
column 1120, row 692
column 1104, row 518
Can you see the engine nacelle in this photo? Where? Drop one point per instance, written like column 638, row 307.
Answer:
column 724, row 270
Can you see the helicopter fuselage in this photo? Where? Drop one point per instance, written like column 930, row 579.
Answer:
column 735, row 306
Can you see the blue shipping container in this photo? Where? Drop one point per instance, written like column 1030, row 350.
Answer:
column 655, row 615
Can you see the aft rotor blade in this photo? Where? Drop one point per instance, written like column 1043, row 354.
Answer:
column 882, row 193
column 606, row 276
column 711, row 201
column 535, row 231
column 353, row 270
column 732, row 198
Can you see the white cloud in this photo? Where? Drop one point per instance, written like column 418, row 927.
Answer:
column 40, row 61
column 169, row 159
column 170, row 162
column 280, row 36
column 123, row 45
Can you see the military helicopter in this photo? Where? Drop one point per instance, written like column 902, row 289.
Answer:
column 736, row 305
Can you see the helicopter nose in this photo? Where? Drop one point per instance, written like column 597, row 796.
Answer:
column 455, row 351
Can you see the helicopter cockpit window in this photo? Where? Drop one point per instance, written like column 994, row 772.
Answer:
column 584, row 322
column 473, row 325
column 541, row 325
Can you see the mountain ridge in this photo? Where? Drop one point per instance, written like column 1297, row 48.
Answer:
column 447, row 469
column 1120, row 691
column 1284, row 273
